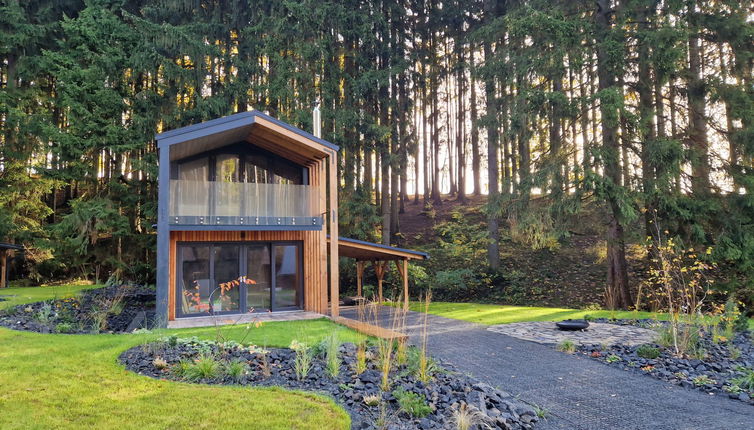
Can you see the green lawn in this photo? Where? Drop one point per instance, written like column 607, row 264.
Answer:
column 501, row 314
column 19, row 296
column 75, row 381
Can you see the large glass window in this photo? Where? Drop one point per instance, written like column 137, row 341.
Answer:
column 287, row 272
column 226, row 296
column 238, row 277
column 258, row 279
column 195, row 280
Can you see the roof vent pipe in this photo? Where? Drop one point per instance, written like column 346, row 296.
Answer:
column 317, row 121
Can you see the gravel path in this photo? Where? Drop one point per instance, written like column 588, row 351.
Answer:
column 577, row 392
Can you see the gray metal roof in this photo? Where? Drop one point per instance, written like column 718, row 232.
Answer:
column 230, row 122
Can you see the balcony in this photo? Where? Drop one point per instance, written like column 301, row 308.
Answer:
column 205, row 203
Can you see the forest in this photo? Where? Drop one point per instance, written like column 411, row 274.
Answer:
column 638, row 114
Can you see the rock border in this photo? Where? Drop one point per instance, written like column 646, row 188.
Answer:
column 445, row 393
column 76, row 315
column 714, row 374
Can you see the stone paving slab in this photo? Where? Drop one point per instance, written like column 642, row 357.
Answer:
column 546, row 332
column 577, row 392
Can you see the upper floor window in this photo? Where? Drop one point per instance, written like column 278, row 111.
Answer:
column 241, row 163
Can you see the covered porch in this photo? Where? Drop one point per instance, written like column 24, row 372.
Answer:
column 380, row 256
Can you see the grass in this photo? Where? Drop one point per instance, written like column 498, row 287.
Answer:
column 502, row 314
column 75, row 381
column 23, row 295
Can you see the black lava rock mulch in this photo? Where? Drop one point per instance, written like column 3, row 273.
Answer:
column 113, row 309
column 717, row 369
column 444, row 394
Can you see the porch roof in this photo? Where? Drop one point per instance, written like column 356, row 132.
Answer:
column 369, row 251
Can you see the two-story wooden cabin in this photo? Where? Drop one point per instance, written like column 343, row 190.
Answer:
column 246, row 203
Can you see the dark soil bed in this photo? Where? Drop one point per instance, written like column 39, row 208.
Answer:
column 360, row 394
column 113, row 309
column 723, row 367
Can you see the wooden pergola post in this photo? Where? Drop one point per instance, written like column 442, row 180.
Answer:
column 359, row 277
column 379, row 270
column 402, row 266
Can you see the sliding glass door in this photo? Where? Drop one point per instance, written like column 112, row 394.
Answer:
column 235, row 277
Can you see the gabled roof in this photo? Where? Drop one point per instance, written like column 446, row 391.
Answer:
column 252, row 126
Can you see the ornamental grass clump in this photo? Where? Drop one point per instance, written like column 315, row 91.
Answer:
column 302, row 363
column 745, row 381
column 361, row 357
column 566, row 345
column 465, row 418
column 425, row 369
column 648, row 352
column 236, row 370
column 204, row 368
column 332, row 357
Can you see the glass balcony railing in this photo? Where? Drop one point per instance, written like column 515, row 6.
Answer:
column 242, row 204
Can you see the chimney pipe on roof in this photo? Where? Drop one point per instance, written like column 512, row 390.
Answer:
column 317, row 121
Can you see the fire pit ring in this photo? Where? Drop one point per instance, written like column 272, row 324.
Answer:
column 572, row 325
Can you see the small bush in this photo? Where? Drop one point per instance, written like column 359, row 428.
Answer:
column 412, row 403
column 567, row 345
column 236, row 370
column 612, row 358
column 647, row 351
column 64, row 327
column 205, row 367
column 45, row 314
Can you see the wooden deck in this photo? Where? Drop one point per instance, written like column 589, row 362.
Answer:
column 369, row 329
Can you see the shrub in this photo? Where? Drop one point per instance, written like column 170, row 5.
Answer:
column 236, row 370
column 412, row 403
column 45, row 314
column 64, row 327
column 647, row 351
column 205, row 367
column 566, row 345
column 612, row 358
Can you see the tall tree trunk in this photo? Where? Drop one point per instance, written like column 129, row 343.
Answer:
column 698, row 144
column 618, row 294
column 493, row 248
column 475, row 152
